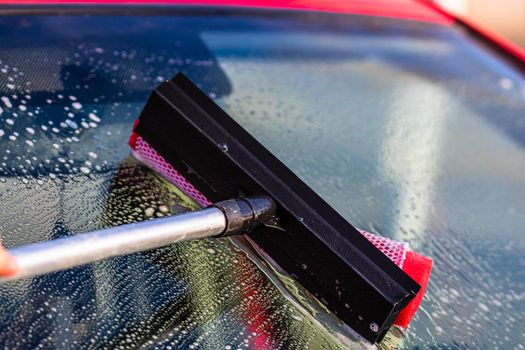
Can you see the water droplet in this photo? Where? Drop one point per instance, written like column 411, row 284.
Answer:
column 76, row 105
column 223, row 147
column 6, row 101
column 94, row 118
column 297, row 318
column 71, row 124
column 506, row 83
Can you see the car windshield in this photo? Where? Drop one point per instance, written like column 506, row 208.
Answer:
column 410, row 130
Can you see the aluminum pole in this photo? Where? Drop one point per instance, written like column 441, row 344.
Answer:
column 223, row 219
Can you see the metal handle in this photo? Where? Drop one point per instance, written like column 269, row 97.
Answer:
column 224, row 218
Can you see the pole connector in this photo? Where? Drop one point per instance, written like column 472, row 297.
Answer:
column 244, row 214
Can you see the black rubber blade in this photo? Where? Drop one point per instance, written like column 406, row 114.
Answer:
column 319, row 248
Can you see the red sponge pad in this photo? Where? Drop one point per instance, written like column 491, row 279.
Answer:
column 418, row 267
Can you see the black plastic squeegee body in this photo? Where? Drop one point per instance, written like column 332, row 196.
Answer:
column 318, row 248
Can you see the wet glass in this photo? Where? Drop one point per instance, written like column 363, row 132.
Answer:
column 410, row 130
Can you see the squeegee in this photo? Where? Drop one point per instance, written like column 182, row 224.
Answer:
column 366, row 281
